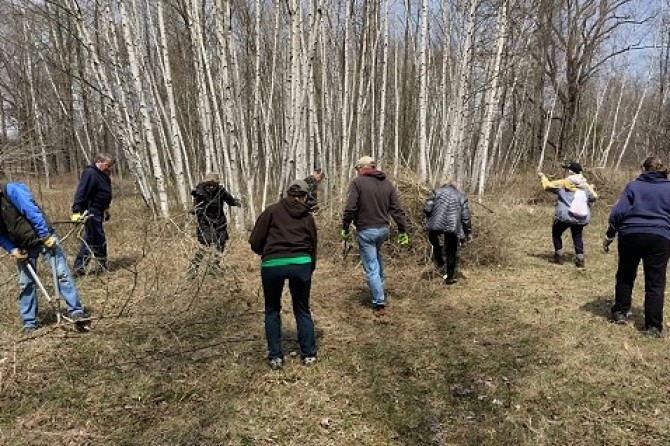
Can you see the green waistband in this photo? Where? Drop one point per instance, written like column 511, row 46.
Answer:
column 301, row 260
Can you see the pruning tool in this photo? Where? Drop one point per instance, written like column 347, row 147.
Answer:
column 346, row 247
column 54, row 305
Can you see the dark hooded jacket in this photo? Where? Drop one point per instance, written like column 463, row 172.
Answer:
column 285, row 229
column 643, row 208
column 94, row 191
column 210, row 212
column 370, row 200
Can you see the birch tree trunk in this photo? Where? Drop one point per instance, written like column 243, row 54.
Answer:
column 423, row 94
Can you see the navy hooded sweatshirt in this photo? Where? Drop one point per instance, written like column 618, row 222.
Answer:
column 643, row 208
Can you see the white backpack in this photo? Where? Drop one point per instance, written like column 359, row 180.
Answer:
column 579, row 207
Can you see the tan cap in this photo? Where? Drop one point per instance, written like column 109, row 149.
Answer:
column 366, row 161
column 211, row 177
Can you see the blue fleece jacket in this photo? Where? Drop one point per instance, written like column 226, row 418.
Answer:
column 643, row 208
column 20, row 197
column 94, row 191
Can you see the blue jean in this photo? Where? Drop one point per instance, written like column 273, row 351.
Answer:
column 300, row 283
column 370, row 241
column 28, row 287
column 94, row 244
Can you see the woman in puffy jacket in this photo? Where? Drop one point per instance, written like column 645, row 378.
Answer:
column 447, row 218
column 573, row 186
column 641, row 218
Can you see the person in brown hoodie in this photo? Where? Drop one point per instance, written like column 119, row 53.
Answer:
column 370, row 200
column 285, row 237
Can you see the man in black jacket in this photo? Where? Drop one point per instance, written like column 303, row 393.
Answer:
column 93, row 195
column 210, row 199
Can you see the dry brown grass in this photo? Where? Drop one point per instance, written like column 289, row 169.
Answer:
column 518, row 353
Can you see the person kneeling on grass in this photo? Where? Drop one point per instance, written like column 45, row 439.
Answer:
column 573, row 209
column 641, row 217
column 285, row 237
column 25, row 234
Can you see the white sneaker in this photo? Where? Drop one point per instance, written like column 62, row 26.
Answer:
column 309, row 360
column 276, row 363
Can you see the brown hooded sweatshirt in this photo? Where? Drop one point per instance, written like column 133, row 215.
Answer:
column 285, row 229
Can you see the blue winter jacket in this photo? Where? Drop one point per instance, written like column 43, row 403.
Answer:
column 21, row 199
column 94, row 192
column 643, row 208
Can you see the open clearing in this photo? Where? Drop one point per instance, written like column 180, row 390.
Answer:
column 517, row 353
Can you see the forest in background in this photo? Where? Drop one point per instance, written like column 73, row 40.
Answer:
column 263, row 91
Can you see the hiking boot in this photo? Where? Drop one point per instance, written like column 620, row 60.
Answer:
column 653, row 332
column 449, row 280
column 276, row 363
column 309, row 360
column 557, row 259
column 621, row 318
column 579, row 263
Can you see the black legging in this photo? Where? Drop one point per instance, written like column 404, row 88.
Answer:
column 653, row 250
column 446, row 254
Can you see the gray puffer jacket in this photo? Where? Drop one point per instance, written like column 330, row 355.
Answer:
column 447, row 211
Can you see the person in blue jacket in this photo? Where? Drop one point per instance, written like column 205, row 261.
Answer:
column 93, row 195
column 641, row 218
column 25, row 234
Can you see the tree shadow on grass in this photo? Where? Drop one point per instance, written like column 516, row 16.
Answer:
column 459, row 387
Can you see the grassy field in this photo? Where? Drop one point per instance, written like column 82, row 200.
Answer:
column 518, row 352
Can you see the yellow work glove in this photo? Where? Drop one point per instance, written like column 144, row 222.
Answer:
column 76, row 217
column 49, row 242
column 19, row 254
column 344, row 234
column 403, row 239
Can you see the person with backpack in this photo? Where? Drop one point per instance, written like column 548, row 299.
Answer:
column 25, row 233
column 573, row 209
column 641, row 219
column 285, row 237
column 447, row 221
column 209, row 202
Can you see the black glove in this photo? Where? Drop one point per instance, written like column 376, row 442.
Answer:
column 607, row 241
column 237, row 202
column 107, row 215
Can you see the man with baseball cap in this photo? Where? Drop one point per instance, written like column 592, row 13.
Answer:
column 370, row 200
column 285, row 237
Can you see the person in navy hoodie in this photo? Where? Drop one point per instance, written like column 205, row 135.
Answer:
column 641, row 218
column 25, row 233
column 94, row 194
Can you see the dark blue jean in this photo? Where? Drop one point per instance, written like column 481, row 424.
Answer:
column 94, row 244
column 299, row 282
